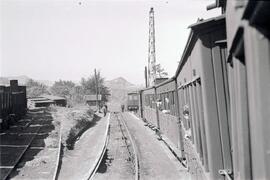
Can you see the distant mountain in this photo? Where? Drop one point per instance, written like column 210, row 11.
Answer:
column 119, row 88
column 119, row 83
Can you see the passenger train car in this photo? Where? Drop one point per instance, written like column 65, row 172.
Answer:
column 133, row 101
column 216, row 107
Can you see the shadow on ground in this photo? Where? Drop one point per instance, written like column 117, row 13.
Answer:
column 106, row 161
column 42, row 119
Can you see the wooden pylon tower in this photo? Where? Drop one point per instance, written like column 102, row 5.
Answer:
column 151, row 50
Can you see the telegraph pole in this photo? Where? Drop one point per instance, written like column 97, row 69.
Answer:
column 96, row 89
column 145, row 76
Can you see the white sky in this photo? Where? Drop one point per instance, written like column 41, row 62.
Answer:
column 67, row 39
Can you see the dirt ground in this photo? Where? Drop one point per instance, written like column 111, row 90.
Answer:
column 116, row 164
column 76, row 162
column 156, row 161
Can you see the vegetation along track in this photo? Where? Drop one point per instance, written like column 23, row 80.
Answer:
column 132, row 148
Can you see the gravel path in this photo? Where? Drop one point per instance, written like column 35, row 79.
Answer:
column 156, row 161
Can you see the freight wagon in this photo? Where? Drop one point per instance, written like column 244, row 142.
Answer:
column 13, row 104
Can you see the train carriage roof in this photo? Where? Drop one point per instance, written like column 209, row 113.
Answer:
column 202, row 26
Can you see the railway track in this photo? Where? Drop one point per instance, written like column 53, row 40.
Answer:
column 17, row 161
column 132, row 148
column 121, row 159
column 29, row 143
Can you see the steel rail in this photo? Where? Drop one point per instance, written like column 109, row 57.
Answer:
column 94, row 168
column 134, row 147
column 56, row 171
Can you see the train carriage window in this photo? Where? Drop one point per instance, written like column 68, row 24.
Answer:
column 197, row 119
column 151, row 101
column 190, row 116
column 173, row 97
column 162, row 101
column 147, row 100
column 194, row 127
column 181, row 105
column 167, row 101
column 201, row 118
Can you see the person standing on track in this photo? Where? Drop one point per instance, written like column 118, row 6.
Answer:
column 104, row 109
column 123, row 107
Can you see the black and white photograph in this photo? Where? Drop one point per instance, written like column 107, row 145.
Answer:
column 134, row 90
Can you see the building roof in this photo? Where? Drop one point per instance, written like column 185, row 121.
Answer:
column 51, row 97
column 45, row 101
column 92, row 97
column 37, row 99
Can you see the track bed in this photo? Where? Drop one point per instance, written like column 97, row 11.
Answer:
column 117, row 162
column 30, row 148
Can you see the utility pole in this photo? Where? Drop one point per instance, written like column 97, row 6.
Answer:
column 151, row 50
column 96, row 90
column 145, row 76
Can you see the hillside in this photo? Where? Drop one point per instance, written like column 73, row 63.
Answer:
column 119, row 88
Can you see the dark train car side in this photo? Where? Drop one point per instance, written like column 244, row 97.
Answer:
column 218, row 101
column 13, row 103
column 248, row 33
column 204, row 100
